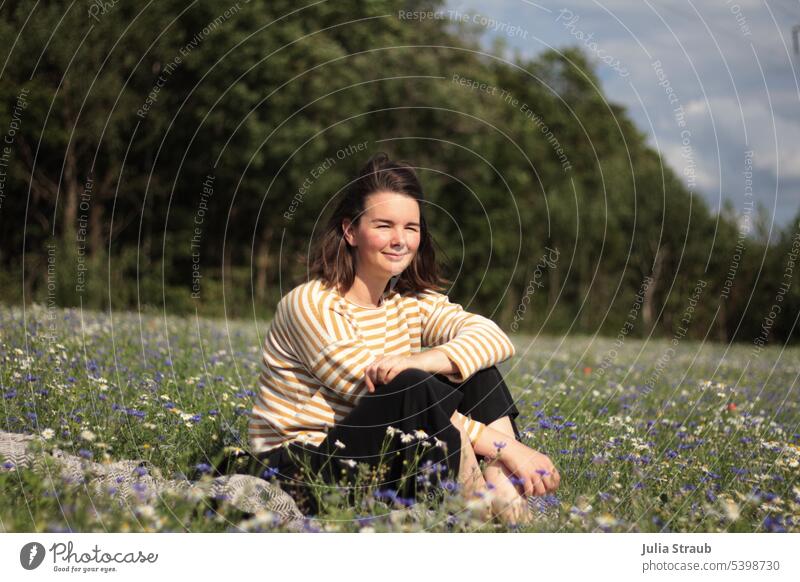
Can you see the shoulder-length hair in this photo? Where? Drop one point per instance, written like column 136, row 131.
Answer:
column 333, row 260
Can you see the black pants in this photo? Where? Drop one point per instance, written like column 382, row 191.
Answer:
column 414, row 400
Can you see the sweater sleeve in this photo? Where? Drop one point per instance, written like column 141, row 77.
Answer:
column 326, row 342
column 471, row 341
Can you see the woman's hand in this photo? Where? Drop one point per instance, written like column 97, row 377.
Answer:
column 536, row 470
column 383, row 370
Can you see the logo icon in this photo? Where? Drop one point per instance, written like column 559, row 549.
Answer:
column 31, row 555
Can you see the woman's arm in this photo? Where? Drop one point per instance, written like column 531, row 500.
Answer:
column 471, row 341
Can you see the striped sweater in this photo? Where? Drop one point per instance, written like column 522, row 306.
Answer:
column 319, row 344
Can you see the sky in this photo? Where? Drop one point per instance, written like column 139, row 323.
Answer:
column 731, row 68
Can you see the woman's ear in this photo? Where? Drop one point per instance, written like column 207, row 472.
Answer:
column 348, row 232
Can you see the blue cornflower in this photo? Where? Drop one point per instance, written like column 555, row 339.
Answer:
column 203, row 467
column 389, row 494
column 499, row 445
column 140, row 471
column 8, row 465
column 196, row 418
column 449, row 485
column 269, row 472
column 85, row 454
column 774, row 523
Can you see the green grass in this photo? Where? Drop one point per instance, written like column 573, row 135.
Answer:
column 648, row 436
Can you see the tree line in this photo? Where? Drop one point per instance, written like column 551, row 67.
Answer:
column 182, row 157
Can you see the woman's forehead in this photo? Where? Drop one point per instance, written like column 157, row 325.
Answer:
column 391, row 205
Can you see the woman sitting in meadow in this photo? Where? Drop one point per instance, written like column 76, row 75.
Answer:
column 346, row 380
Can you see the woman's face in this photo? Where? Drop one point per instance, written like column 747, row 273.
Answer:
column 386, row 237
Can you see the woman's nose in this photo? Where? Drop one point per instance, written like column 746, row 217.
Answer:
column 399, row 238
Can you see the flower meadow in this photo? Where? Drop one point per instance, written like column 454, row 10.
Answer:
column 648, row 436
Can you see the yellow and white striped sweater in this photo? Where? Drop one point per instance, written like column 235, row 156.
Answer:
column 319, row 344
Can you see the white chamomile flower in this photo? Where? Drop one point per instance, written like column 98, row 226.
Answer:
column 87, row 435
column 406, row 437
column 339, row 444
column 420, row 434
column 349, row 462
column 48, row 433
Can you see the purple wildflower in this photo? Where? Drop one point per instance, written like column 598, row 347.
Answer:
column 269, row 472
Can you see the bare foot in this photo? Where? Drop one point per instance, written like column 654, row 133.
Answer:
column 508, row 505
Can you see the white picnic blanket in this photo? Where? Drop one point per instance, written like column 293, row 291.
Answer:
column 135, row 479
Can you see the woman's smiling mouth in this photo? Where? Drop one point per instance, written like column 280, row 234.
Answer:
column 395, row 256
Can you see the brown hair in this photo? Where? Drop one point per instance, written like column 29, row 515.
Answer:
column 333, row 260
